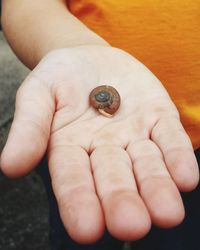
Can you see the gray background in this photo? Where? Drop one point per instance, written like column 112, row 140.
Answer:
column 23, row 202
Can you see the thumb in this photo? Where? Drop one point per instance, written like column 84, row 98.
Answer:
column 30, row 130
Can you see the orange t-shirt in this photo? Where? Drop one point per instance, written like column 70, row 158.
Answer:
column 164, row 35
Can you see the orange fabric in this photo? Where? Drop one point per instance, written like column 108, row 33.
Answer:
column 164, row 35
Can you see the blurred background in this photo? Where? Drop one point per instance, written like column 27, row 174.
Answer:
column 23, row 202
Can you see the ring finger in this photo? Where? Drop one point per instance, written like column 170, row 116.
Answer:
column 155, row 184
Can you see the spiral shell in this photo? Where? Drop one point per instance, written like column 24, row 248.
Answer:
column 105, row 99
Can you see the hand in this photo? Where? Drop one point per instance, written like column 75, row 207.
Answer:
column 123, row 172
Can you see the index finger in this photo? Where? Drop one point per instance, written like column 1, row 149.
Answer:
column 74, row 189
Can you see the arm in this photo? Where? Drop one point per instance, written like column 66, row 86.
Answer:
column 99, row 167
column 36, row 27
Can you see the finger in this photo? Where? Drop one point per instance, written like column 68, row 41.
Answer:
column 29, row 133
column 175, row 144
column 74, row 189
column 126, row 215
column 155, row 185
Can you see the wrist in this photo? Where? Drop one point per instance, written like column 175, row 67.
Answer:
column 64, row 41
column 54, row 27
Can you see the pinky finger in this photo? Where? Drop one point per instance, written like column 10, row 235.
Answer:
column 178, row 153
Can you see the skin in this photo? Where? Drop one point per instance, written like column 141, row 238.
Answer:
column 123, row 172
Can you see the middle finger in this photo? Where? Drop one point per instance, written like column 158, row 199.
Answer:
column 125, row 213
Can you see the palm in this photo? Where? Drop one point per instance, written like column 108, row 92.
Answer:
column 144, row 100
column 117, row 170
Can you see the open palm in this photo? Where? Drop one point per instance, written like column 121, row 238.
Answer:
column 123, row 172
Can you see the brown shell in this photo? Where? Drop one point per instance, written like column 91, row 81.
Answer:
column 111, row 101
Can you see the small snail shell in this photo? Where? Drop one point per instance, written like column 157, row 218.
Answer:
column 105, row 99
